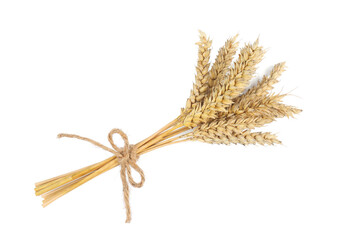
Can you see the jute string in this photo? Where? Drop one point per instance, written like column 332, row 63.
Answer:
column 127, row 157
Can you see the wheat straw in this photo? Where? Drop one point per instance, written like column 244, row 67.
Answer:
column 219, row 110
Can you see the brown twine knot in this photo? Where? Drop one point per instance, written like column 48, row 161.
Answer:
column 127, row 157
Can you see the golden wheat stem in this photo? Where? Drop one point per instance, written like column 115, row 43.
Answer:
column 165, row 144
column 49, row 184
column 170, row 124
column 158, row 138
column 83, row 180
column 56, row 187
column 52, row 184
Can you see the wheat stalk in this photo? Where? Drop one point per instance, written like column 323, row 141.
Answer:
column 220, row 110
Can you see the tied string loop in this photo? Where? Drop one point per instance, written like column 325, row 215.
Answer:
column 127, row 157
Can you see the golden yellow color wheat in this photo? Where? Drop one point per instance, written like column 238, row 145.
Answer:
column 202, row 82
column 220, row 109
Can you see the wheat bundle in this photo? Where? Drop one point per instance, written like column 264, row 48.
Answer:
column 220, row 110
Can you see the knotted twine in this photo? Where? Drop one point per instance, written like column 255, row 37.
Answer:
column 127, row 157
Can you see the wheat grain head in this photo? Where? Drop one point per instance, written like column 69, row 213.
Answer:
column 201, row 85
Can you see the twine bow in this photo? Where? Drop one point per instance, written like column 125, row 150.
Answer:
column 127, row 157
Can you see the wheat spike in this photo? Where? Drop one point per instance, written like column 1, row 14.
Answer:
column 259, row 113
column 239, row 76
column 267, row 83
column 251, row 102
column 262, row 138
column 223, row 61
column 201, row 84
column 260, row 89
column 229, row 88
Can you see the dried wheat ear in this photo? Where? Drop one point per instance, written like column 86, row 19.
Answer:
column 220, row 110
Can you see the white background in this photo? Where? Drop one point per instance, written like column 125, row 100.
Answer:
column 86, row 67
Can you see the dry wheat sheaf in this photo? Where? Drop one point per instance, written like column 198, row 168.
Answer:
column 221, row 109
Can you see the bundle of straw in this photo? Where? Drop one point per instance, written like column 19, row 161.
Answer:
column 220, row 110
